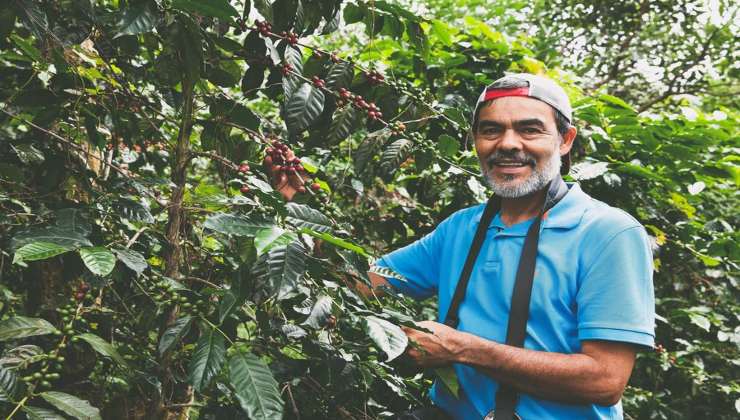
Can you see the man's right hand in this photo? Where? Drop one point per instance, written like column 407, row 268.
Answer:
column 285, row 171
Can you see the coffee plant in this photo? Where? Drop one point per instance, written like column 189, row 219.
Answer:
column 189, row 188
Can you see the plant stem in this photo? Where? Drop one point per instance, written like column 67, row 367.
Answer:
column 17, row 407
column 179, row 178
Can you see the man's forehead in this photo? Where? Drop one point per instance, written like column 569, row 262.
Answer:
column 517, row 108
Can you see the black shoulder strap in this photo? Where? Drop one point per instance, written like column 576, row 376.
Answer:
column 492, row 207
column 506, row 397
column 516, row 331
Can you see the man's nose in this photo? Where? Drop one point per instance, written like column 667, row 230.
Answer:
column 510, row 140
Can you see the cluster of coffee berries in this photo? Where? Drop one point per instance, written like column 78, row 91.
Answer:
column 359, row 102
column 318, row 82
column 373, row 112
column 243, row 170
column 278, row 160
column 263, row 26
column 82, row 292
column 51, row 365
column 344, row 97
column 397, row 128
column 334, row 58
column 374, row 77
column 291, row 37
column 286, row 69
column 164, row 292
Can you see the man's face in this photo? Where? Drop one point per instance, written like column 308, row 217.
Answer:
column 518, row 145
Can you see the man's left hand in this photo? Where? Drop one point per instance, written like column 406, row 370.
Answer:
column 438, row 347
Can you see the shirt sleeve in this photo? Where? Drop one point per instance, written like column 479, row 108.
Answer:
column 615, row 300
column 418, row 263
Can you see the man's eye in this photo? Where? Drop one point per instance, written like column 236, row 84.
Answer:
column 530, row 130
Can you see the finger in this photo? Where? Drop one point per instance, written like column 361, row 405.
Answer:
column 295, row 179
column 281, row 180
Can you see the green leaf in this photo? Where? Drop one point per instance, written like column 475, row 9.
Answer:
column 70, row 231
column 235, row 296
column 103, row 347
column 71, row 405
column 21, row 326
column 293, row 56
column 209, row 356
column 320, row 312
column 387, row 336
column 21, row 356
column 36, row 413
column 28, row 154
column 442, row 32
column 174, row 333
column 268, row 238
column 368, row 148
column 9, row 385
column 304, row 216
column 255, row 387
column 98, row 259
column 137, row 20
column 39, row 251
column 132, row 259
column 336, row 241
column 448, row 146
column 340, row 75
column 253, row 78
column 215, row 8
column 448, row 376
column 700, row 321
column 613, row 100
column 342, row 124
column 236, row 225
column 283, row 266
column 395, row 154
column 304, row 106
column 133, row 211
column 353, row 13
column 27, row 47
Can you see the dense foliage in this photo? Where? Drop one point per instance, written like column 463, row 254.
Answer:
column 149, row 269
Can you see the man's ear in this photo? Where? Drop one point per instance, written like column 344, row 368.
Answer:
column 567, row 142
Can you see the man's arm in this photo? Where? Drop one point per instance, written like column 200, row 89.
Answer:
column 597, row 375
column 377, row 283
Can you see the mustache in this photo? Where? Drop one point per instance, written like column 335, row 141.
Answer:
column 509, row 157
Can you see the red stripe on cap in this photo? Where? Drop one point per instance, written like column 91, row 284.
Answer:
column 498, row 93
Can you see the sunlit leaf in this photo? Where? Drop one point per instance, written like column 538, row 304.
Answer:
column 20, row 326
column 99, row 260
column 71, row 405
column 255, row 387
column 388, row 337
column 207, row 359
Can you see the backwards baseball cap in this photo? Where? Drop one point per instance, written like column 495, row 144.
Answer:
column 533, row 86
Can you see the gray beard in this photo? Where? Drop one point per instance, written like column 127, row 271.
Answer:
column 539, row 179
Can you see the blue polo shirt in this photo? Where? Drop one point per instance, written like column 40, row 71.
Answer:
column 593, row 281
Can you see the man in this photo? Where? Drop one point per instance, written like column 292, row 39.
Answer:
column 591, row 305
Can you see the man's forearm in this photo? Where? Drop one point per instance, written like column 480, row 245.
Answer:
column 571, row 378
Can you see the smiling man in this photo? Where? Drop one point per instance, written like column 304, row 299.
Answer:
column 545, row 294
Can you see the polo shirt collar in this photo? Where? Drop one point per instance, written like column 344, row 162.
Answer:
column 567, row 214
